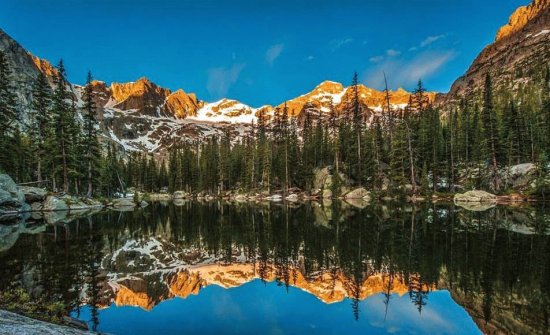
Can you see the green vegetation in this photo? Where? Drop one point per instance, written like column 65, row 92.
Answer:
column 419, row 149
column 19, row 301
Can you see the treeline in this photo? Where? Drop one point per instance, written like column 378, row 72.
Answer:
column 59, row 144
column 418, row 149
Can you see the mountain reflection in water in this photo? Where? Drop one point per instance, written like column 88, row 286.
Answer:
column 393, row 268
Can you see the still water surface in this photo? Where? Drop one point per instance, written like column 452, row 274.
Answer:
column 291, row 268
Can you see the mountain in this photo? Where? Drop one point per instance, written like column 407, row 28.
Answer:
column 142, row 115
column 519, row 54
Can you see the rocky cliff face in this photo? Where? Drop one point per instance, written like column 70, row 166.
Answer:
column 142, row 115
column 25, row 68
column 521, row 17
column 519, row 54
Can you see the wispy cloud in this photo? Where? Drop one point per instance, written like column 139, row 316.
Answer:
column 393, row 52
column 337, row 44
column 273, row 53
column 406, row 73
column 430, row 39
column 376, row 59
column 310, row 58
column 221, row 79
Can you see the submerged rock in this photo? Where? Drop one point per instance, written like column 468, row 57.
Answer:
column 123, row 203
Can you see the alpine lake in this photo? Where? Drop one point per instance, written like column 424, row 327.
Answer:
column 290, row 268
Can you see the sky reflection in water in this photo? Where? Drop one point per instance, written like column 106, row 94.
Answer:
column 258, row 307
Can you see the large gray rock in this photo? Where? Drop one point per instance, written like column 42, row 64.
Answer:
column 12, row 200
column 180, row 195
column 327, row 194
column 475, row 197
column 358, row 193
column 11, row 195
column 11, row 323
column 53, row 203
column 123, row 203
column 33, row 194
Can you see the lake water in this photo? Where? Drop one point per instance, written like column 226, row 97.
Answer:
column 281, row 268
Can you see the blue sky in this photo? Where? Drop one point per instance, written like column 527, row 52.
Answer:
column 259, row 52
column 258, row 308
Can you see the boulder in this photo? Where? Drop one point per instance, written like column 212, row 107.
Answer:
column 327, row 194
column 292, row 197
column 123, row 202
column 358, row 193
column 33, row 194
column 519, row 177
column 12, row 200
column 319, row 177
column 180, row 195
column 275, row 197
column 53, row 203
column 476, row 197
column 241, row 198
column 11, row 194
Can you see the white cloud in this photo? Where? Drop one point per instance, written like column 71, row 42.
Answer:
column 221, row 79
column 273, row 53
column 406, row 73
column 310, row 58
column 376, row 59
column 337, row 44
column 430, row 39
column 393, row 52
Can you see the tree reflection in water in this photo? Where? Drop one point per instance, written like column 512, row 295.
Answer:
column 495, row 263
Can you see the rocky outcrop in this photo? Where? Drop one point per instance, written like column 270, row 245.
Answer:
column 182, row 105
column 359, row 193
column 11, row 323
column 33, row 194
column 476, row 200
column 519, row 54
column 521, row 17
column 475, row 196
column 12, row 200
column 181, row 195
column 123, row 204
column 330, row 94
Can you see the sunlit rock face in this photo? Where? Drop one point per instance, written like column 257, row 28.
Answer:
column 518, row 56
column 142, row 96
column 332, row 95
column 521, row 17
column 144, row 116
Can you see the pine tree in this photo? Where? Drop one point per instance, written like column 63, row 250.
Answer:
column 8, row 115
column 62, row 114
column 92, row 150
column 40, row 130
column 489, row 119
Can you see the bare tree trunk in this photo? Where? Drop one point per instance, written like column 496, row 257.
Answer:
column 65, row 167
column 411, row 158
column 90, row 186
